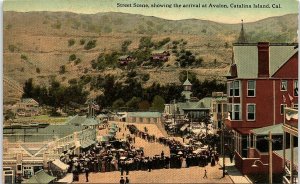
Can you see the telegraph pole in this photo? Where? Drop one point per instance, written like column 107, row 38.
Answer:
column 223, row 148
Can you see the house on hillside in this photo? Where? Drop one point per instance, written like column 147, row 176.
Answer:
column 262, row 82
column 27, row 107
column 124, row 60
column 160, row 56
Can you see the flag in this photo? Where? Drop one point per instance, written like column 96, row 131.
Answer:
column 283, row 98
column 291, row 98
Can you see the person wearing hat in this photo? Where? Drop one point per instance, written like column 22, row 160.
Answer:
column 122, row 181
column 127, row 180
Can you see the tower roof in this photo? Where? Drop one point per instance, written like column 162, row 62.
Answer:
column 187, row 82
column 242, row 37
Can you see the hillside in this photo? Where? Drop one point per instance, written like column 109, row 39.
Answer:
column 36, row 44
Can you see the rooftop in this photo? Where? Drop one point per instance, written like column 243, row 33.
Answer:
column 144, row 114
column 275, row 130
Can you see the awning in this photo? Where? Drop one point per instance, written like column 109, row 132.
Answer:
column 288, row 154
column 184, row 127
column 40, row 177
column 60, row 165
column 67, row 179
column 87, row 143
column 275, row 130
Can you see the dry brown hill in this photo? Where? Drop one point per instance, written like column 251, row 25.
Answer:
column 36, row 43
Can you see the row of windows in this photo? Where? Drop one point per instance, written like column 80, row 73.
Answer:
column 235, row 111
column 141, row 120
column 234, row 87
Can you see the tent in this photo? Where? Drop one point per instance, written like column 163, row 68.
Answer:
column 40, row 177
column 59, row 164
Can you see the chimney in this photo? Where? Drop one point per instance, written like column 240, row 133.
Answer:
column 263, row 59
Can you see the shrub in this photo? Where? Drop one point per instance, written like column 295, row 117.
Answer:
column 38, row 70
column 72, row 57
column 82, row 41
column 146, row 77
column 12, row 48
column 62, row 69
column 24, row 57
column 77, row 61
column 71, row 42
column 91, row 44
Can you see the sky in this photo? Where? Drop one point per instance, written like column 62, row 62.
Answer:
column 225, row 15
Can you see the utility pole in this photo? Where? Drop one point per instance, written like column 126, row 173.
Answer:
column 223, row 147
column 270, row 158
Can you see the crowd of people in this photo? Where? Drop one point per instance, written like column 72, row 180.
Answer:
column 122, row 156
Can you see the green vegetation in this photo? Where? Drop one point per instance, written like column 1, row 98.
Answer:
column 77, row 61
column 56, row 25
column 62, row 69
column 82, row 41
column 125, row 44
column 24, row 57
column 158, row 104
column 56, row 95
column 72, row 57
column 90, row 45
column 12, row 48
column 71, row 42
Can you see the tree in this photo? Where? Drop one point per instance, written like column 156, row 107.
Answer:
column 71, row 42
column 125, row 44
column 28, row 89
column 158, row 103
column 133, row 103
column 118, row 103
column 91, row 44
column 72, row 57
column 144, row 105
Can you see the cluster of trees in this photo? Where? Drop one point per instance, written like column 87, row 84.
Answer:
column 130, row 95
column 55, row 95
column 187, row 58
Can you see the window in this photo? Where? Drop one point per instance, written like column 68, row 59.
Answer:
column 141, row 120
column 282, row 106
column 224, row 107
column 250, row 112
column 236, row 88
column 251, row 88
column 295, row 106
column 283, row 86
column 295, row 87
column 219, row 107
column 234, row 111
column 230, row 88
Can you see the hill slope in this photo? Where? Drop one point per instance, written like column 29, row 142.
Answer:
column 36, row 44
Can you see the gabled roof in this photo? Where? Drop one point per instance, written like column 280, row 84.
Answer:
column 246, row 58
column 201, row 104
column 28, row 100
column 275, row 130
column 82, row 120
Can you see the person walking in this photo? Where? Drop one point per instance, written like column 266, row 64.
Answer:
column 122, row 181
column 87, row 174
column 205, row 174
column 127, row 180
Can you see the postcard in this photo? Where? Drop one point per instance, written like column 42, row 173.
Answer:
column 148, row 91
